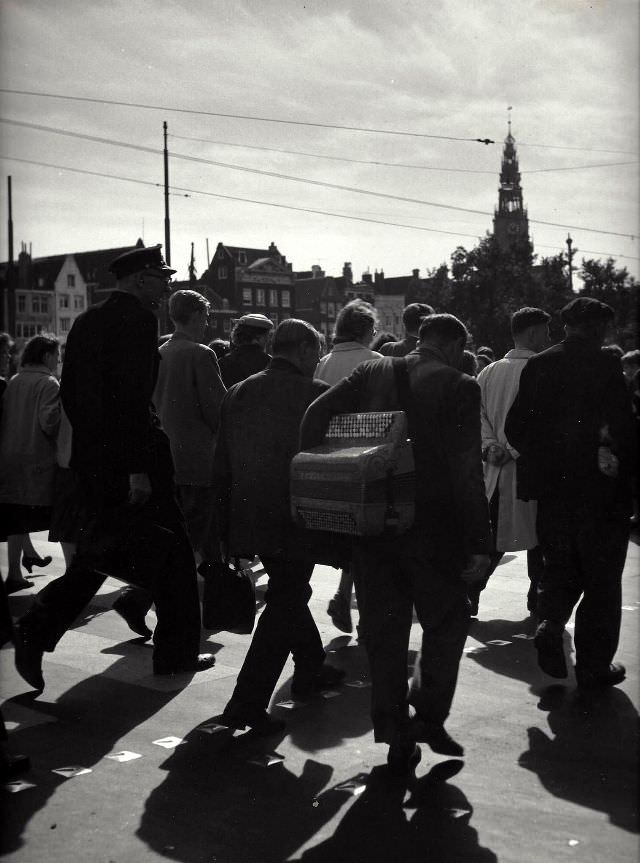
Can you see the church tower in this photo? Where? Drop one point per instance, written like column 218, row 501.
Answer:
column 510, row 222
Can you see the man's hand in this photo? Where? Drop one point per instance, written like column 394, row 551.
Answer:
column 476, row 568
column 139, row 489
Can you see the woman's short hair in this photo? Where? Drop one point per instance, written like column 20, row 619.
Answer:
column 355, row 321
column 37, row 348
column 382, row 339
column 184, row 304
column 469, row 363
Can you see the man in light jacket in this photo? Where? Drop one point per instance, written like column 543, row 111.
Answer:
column 513, row 520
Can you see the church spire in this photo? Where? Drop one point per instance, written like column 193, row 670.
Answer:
column 510, row 221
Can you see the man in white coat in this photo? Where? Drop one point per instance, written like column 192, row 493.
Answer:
column 513, row 521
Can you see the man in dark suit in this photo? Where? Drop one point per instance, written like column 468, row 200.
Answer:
column 571, row 423
column 431, row 565
column 258, row 437
column 412, row 317
column 123, row 462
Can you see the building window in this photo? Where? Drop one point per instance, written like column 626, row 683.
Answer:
column 71, row 280
column 41, row 282
column 332, row 310
column 65, row 325
column 222, row 272
column 78, row 303
column 246, row 296
column 259, row 296
column 22, row 302
column 39, row 304
column 242, row 257
column 273, row 297
column 226, row 325
column 286, row 299
column 64, row 301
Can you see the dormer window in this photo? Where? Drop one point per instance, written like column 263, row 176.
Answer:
column 242, row 257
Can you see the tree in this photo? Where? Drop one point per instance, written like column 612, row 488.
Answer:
column 607, row 283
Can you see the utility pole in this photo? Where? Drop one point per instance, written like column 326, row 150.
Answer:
column 9, row 300
column 167, row 224
column 570, row 253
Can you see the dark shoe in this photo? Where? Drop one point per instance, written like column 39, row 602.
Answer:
column 201, row 663
column 28, row 657
column 339, row 610
column 551, row 657
column 255, row 718
column 304, row 684
column 615, row 674
column 436, row 737
column 403, row 758
column 211, row 570
column 30, row 562
column 13, row 585
column 133, row 617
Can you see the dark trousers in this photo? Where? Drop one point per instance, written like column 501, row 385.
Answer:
column 285, row 626
column 391, row 577
column 584, row 554
column 174, row 588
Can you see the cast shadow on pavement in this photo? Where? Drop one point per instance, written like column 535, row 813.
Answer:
column 383, row 824
column 92, row 717
column 507, row 648
column 590, row 754
column 219, row 803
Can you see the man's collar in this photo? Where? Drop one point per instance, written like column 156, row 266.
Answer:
column 284, row 365
column 433, row 351
column 519, row 354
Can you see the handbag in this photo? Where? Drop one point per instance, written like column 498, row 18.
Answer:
column 229, row 601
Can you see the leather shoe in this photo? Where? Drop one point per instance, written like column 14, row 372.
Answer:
column 201, row 663
column 305, row 684
column 403, row 758
column 28, row 657
column 551, row 657
column 339, row 610
column 30, row 562
column 254, row 718
column 615, row 674
column 437, row 737
column 133, row 617
column 13, row 585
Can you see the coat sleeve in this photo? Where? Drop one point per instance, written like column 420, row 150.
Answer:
column 49, row 407
column 222, row 470
column 209, row 387
column 522, row 411
column 489, row 434
column 465, row 468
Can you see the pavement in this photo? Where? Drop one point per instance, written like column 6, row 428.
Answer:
column 129, row 768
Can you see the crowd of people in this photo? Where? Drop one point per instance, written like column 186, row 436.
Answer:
column 158, row 463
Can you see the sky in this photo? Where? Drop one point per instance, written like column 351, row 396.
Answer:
column 443, row 73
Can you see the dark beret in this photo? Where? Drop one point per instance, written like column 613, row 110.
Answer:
column 138, row 260
column 585, row 310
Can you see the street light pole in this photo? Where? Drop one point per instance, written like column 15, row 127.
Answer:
column 570, row 253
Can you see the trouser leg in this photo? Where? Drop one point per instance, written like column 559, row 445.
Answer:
column 442, row 609
column 561, row 582
column 385, row 604
column 602, row 547
column 285, row 626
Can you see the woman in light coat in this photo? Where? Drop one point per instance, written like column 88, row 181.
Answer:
column 28, row 430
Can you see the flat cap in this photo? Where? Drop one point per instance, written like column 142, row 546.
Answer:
column 260, row 322
column 585, row 310
column 138, row 260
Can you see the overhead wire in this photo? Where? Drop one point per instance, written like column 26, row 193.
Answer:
column 377, row 163
column 348, row 217
column 279, row 120
column 292, row 178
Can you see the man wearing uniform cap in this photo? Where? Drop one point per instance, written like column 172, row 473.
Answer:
column 123, row 462
column 248, row 354
column 571, row 423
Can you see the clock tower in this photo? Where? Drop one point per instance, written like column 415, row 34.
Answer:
column 510, row 221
